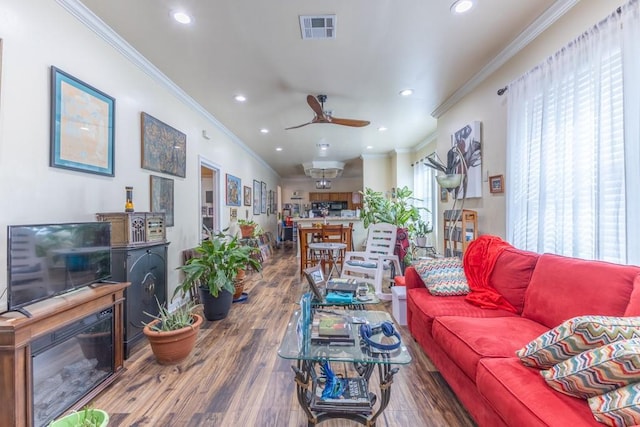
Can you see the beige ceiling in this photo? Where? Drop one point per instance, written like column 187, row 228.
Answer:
column 255, row 48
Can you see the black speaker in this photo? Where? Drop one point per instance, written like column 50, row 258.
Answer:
column 367, row 331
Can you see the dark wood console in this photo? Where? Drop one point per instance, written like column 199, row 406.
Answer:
column 17, row 333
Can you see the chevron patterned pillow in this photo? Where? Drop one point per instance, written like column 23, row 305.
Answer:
column 575, row 336
column 443, row 276
column 618, row 408
column 597, row 371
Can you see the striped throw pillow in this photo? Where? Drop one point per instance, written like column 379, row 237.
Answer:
column 443, row 276
column 597, row 371
column 575, row 336
column 618, row 408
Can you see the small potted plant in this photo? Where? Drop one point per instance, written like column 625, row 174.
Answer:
column 420, row 230
column 213, row 271
column 247, row 227
column 172, row 335
column 88, row 417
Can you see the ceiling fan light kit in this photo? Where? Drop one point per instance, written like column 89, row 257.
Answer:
column 322, row 116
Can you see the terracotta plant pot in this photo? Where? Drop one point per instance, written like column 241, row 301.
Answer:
column 239, row 284
column 247, row 231
column 171, row 347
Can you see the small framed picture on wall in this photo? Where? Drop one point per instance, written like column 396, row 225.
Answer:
column 496, row 184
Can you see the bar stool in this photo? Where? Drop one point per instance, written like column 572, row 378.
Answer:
column 307, row 258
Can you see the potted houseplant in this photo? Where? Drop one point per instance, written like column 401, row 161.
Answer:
column 172, row 335
column 247, row 227
column 398, row 210
column 213, row 271
column 420, row 230
column 88, row 417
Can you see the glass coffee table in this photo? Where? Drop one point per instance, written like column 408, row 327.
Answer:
column 357, row 361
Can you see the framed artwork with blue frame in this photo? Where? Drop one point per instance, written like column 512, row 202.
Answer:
column 234, row 191
column 82, row 126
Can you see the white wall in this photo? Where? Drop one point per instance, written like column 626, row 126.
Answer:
column 38, row 34
column 485, row 105
column 377, row 172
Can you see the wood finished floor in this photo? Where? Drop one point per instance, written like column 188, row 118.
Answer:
column 234, row 377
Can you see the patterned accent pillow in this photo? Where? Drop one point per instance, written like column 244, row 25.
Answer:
column 597, row 371
column 443, row 276
column 575, row 336
column 618, row 408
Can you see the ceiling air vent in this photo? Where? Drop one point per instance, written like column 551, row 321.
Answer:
column 318, row 27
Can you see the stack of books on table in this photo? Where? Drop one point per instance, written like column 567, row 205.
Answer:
column 355, row 397
column 331, row 330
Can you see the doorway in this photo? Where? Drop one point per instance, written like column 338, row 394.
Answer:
column 209, row 198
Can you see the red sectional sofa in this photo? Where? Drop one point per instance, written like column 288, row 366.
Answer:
column 474, row 348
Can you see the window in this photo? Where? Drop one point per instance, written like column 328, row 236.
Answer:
column 567, row 147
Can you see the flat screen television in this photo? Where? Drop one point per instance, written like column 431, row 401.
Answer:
column 50, row 259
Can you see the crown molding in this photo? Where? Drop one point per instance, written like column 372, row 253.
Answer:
column 98, row 26
column 374, row 156
column 402, row 150
column 541, row 23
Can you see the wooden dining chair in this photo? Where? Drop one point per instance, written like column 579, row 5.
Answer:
column 306, row 256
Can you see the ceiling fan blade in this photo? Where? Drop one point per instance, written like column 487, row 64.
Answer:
column 349, row 122
column 299, row 126
column 315, row 105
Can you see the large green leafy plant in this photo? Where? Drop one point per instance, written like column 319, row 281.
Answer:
column 216, row 265
column 399, row 210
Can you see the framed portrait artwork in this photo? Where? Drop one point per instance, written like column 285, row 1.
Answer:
column 164, row 149
column 263, row 197
column 246, row 195
column 162, row 198
column 233, row 190
column 82, row 126
column 496, row 184
column 257, row 188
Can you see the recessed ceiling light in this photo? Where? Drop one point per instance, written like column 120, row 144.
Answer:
column 406, row 92
column 382, row 129
column 278, row 148
column 240, row 98
column 462, row 6
column 264, row 130
column 181, row 17
column 369, row 147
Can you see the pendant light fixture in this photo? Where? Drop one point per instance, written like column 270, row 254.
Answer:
column 323, row 184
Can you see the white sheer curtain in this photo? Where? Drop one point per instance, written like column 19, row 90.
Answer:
column 568, row 146
column 424, row 189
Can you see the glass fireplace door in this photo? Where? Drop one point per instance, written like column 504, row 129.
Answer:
column 70, row 362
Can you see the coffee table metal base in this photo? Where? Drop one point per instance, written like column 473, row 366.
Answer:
column 305, row 374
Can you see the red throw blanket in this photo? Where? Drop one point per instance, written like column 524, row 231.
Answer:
column 479, row 260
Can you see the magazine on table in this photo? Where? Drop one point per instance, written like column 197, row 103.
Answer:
column 355, row 396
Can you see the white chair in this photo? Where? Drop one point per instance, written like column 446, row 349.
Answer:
column 371, row 264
